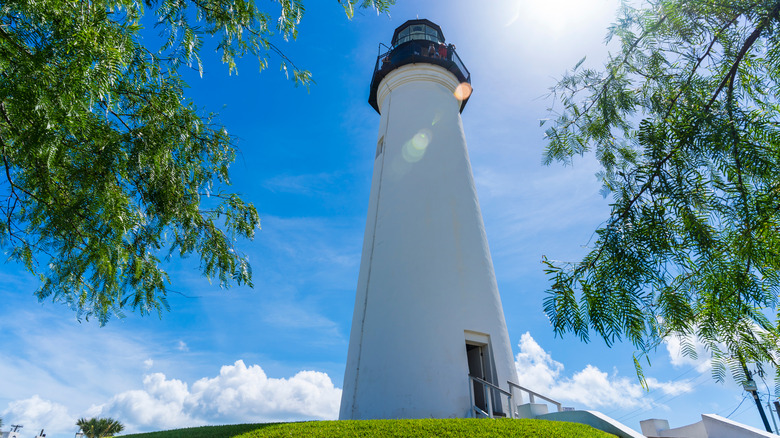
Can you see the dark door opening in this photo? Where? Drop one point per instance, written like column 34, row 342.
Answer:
column 480, row 366
column 477, row 368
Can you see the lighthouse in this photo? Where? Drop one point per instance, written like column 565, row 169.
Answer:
column 428, row 337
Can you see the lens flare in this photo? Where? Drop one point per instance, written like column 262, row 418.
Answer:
column 414, row 149
column 421, row 139
column 436, row 118
column 462, row 91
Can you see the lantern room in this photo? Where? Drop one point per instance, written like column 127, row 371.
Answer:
column 418, row 30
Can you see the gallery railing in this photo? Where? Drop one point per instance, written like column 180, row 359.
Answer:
column 415, row 52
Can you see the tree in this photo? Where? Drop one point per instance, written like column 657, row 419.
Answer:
column 684, row 120
column 107, row 169
column 99, row 427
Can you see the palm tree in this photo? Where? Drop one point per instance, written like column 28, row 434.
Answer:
column 99, row 427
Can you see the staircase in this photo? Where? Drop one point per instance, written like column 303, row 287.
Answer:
column 490, row 401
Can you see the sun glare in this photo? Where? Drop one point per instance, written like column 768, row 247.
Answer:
column 556, row 16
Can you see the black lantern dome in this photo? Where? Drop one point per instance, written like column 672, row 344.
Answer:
column 416, row 41
column 418, row 30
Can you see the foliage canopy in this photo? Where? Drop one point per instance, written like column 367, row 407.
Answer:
column 105, row 167
column 684, row 120
column 99, row 427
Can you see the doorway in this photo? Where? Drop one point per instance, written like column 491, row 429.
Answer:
column 481, row 366
column 477, row 367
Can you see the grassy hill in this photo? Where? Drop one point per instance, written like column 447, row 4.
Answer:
column 467, row 427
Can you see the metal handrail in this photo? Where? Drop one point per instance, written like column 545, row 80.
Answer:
column 488, row 399
column 532, row 394
column 478, row 410
column 485, row 382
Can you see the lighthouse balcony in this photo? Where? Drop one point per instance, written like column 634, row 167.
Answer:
column 417, row 51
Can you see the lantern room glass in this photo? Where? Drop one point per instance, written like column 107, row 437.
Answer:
column 418, row 32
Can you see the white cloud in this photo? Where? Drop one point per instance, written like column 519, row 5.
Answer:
column 182, row 346
column 148, row 363
column 533, row 203
column 35, row 413
column 239, row 393
column 669, row 388
column 298, row 316
column 100, row 361
column 536, row 369
column 247, row 392
column 589, row 387
column 702, row 363
column 160, row 405
column 595, row 388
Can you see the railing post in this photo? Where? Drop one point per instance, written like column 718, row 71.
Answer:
column 471, row 398
column 511, row 404
column 488, row 395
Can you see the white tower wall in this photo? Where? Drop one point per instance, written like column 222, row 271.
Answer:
column 426, row 282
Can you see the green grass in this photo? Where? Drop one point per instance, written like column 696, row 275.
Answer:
column 477, row 428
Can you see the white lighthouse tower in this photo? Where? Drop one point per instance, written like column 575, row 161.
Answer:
column 427, row 310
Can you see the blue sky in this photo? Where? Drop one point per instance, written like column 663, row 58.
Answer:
column 277, row 352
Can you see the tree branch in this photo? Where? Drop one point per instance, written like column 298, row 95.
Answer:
column 742, row 52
